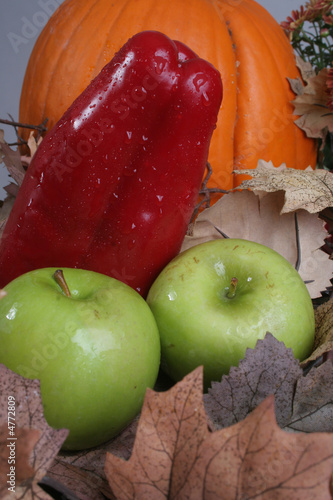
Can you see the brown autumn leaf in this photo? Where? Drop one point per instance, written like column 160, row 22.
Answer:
column 33, row 145
column 176, row 456
column 312, row 402
column 244, row 214
column 15, row 454
column 83, row 472
column 29, row 420
column 269, row 368
column 16, row 167
column 6, row 208
column 307, row 71
column 301, row 402
column 12, row 160
column 256, row 459
column 79, row 483
column 311, row 103
column 172, row 426
column 324, row 330
column 310, row 190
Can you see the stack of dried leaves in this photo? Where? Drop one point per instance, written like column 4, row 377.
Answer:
column 264, row 431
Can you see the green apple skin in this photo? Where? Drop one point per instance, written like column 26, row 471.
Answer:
column 200, row 325
column 95, row 352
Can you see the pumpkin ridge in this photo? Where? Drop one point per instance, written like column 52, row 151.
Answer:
column 285, row 59
column 111, row 27
column 33, row 69
column 62, row 54
column 280, row 64
column 245, row 55
column 29, row 79
column 278, row 37
column 264, row 110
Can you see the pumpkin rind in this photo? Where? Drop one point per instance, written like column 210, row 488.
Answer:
column 265, row 126
column 239, row 38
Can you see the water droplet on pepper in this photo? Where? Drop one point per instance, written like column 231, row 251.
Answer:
column 128, row 137
column 205, row 99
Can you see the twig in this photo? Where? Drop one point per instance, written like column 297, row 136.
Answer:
column 221, row 232
column 298, row 243
column 206, row 192
column 41, row 128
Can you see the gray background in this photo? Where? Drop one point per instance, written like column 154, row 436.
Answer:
column 26, row 18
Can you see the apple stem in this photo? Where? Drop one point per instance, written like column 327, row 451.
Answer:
column 60, row 279
column 232, row 288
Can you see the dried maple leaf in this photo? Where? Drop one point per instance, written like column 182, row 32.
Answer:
column 301, row 402
column 269, row 368
column 172, row 426
column 176, row 456
column 324, row 330
column 15, row 455
column 312, row 404
column 311, row 103
column 83, row 472
column 33, row 144
column 5, row 210
column 12, row 160
column 310, row 190
column 256, row 459
column 80, row 483
column 246, row 215
column 29, row 420
column 306, row 68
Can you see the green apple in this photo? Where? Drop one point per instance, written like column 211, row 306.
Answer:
column 216, row 299
column 94, row 347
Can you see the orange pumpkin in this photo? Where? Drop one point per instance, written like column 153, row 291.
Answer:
column 239, row 37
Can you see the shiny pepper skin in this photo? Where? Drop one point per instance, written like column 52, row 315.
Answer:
column 114, row 183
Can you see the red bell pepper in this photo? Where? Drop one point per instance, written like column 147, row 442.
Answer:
column 114, row 183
